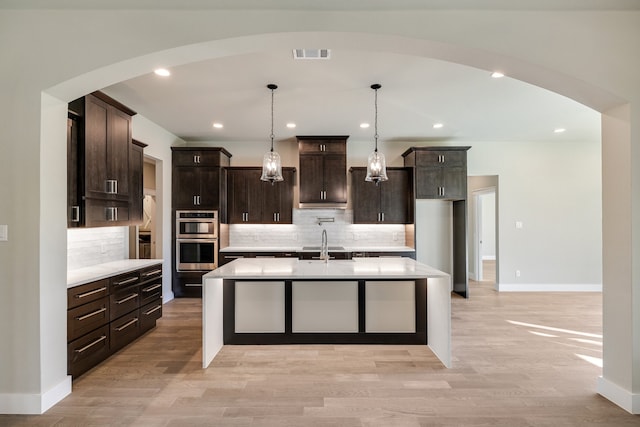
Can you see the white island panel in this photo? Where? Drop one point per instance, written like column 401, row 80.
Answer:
column 259, row 307
column 390, row 306
column 327, row 307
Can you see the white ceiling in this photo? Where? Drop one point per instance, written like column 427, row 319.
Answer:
column 325, row 97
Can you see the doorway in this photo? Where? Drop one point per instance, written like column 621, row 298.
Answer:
column 483, row 229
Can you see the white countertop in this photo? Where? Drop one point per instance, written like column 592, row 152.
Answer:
column 360, row 268
column 299, row 249
column 101, row 271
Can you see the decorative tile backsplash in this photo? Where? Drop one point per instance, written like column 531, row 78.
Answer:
column 92, row 246
column 307, row 227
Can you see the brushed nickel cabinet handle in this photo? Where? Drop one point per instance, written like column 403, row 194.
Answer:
column 95, row 291
column 152, row 273
column 88, row 315
column 88, row 346
column 156, row 308
column 129, row 298
column 152, row 287
column 111, row 186
column 126, row 325
column 75, row 213
column 126, row 282
column 193, row 285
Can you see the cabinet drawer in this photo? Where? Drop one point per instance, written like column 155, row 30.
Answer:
column 87, row 351
column 124, row 301
column 150, row 273
column 124, row 330
column 444, row 158
column 87, row 317
column 85, row 293
column 322, row 146
column 149, row 314
column 150, row 291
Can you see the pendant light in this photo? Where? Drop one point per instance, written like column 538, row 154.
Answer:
column 271, row 164
column 376, row 165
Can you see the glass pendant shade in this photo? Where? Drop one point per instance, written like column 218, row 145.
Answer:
column 271, row 164
column 272, row 167
column 376, row 168
column 376, row 164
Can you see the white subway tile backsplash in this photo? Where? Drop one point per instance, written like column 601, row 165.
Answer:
column 305, row 231
column 92, row 246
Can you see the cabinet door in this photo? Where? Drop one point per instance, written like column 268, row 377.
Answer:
column 244, row 196
column 186, row 187
column 395, row 197
column 366, row 198
column 311, row 178
column 454, row 182
column 95, row 146
column 73, row 195
column 335, row 178
column 209, row 192
column 428, row 183
column 119, row 150
column 277, row 200
column 137, row 192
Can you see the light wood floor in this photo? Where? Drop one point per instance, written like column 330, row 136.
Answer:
column 520, row 359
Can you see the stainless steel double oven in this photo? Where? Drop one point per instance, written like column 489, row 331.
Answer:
column 196, row 240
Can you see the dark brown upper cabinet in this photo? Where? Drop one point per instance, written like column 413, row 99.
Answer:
column 388, row 202
column 323, row 170
column 440, row 172
column 197, row 177
column 99, row 159
column 252, row 201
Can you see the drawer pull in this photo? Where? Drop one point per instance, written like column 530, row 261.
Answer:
column 156, row 308
column 126, row 325
column 192, row 285
column 126, row 282
column 88, row 315
column 95, row 291
column 152, row 287
column 129, row 298
column 88, row 346
column 152, row 273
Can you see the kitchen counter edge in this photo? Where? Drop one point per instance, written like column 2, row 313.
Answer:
column 101, row 271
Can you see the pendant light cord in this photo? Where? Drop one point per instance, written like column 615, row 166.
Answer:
column 272, row 135
column 375, row 136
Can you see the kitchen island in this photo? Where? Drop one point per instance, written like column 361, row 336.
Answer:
column 363, row 300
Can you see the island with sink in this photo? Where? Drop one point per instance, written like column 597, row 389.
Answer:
column 326, row 301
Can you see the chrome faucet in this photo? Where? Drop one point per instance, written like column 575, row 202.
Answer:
column 324, row 249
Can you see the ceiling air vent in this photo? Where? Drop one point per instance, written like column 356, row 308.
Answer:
column 311, row 53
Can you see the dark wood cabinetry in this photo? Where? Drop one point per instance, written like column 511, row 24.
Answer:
column 323, row 169
column 252, row 201
column 441, row 173
column 197, row 177
column 106, row 315
column 100, row 157
column 389, row 202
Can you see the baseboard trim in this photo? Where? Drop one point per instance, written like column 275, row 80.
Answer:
column 549, row 287
column 628, row 401
column 33, row 403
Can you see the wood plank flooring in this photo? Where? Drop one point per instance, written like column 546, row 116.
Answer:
column 520, row 359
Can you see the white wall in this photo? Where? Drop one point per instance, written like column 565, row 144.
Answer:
column 35, row 47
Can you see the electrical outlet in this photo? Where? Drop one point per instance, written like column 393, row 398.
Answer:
column 395, row 237
column 4, row 233
column 103, row 248
column 517, row 273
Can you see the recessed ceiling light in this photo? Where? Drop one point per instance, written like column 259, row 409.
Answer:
column 162, row 72
column 291, row 125
column 437, row 125
column 497, row 74
column 559, row 130
column 364, row 125
column 218, row 125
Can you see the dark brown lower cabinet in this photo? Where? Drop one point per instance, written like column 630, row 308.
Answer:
column 106, row 315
